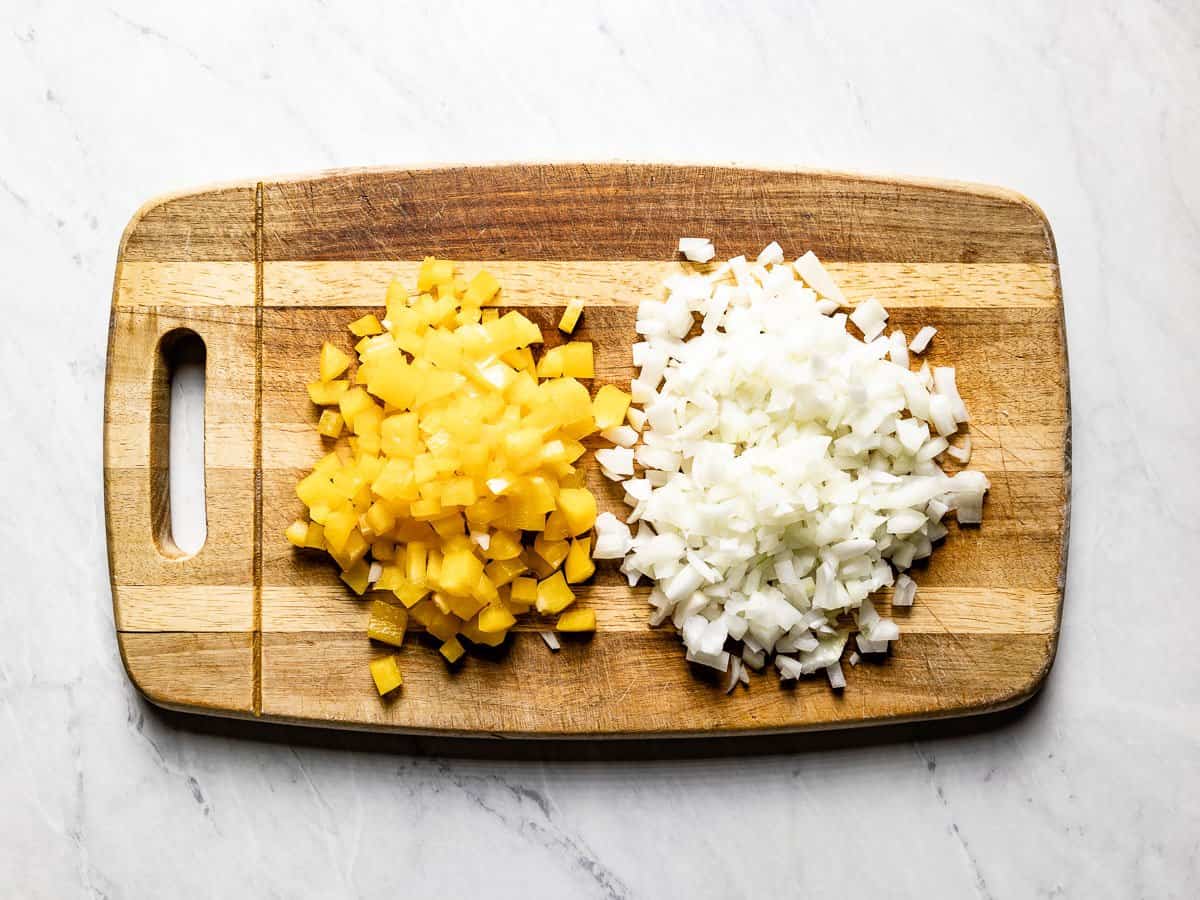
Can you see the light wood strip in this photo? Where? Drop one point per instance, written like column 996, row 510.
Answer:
column 941, row 610
column 185, row 607
column 151, row 285
column 338, row 284
column 994, row 447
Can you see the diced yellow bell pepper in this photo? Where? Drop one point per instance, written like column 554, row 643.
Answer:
column 315, row 539
column 501, row 571
column 387, row 623
column 609, row 406
column 553, row 552
column 379, row 519
column 297, row 533
column 495, row 618
column 357, row 575
column 556, row 526
column 330, row 423
column 577, row 620
column 578, row 506
column 386, row 673
column 332, row 362
column 463, row 607
column 551, row 363
column 553, row 595
column 472, row 632
column 579, row 566
column 523, row 592
column 459, row 492
column 452, row 650
column 327, row 393
column 482, row 288
column 570, row 316
column 503, row 545
column 577, row 360
column 442, row 626
column 460, row 571
column 365, row 326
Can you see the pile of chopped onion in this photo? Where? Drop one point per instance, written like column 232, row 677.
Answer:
column 786, row 469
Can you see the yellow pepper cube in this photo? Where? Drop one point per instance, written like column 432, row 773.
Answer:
column 448, row 527
column 521, row 360
column 553, row 552
column 330, row 423
column 332, row 362
column 463, row 607
column 410, row 594
column 494, row 618
column 523, row 592
column 609, row 406
column 521, row 448
column 485, row 589
column 459, row 492
column 482, row 289
column 556, row 526
column 570, row 316
column 441, row 625
column 366, row 326
column 355, row 401
column 577, row 360
column 357, row 576
column 452, row 650
column 551, row 363
column 553, row 595
column 503, row 545
column 580, row 428
column 386, row 673
column 578, row 507
column 401, row 436
column 425, row 510
column 327, row 393
column 338, row 525
column 490, row 315
column 535, row 564
column 577, row 620
column 387, row 624
column 379, row 518
column 579, row 566
column 396, row 299
column 472, row 631
column 460, row 572
column 315, row 539
column 415, row 556
column 297, row 533
column 501, row 571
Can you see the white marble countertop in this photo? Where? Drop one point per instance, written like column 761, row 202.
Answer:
column 1091, row 109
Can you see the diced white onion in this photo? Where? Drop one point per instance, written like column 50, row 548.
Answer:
column 699, row 250
column 922, row 339
column 789, row 469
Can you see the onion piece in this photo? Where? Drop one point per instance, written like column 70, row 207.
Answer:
column 922, row 338
column 699, row 250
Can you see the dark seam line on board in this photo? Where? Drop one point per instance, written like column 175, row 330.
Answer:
column 258, row 470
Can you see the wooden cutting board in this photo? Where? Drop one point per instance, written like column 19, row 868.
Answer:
column 263, row 272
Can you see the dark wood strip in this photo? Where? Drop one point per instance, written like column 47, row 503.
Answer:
column 205, row 225
column 631, row 211
column 635, row 679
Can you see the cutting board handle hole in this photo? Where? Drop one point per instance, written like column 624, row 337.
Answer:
column 177, row 490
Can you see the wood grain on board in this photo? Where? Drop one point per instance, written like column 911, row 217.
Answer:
column 263, row 273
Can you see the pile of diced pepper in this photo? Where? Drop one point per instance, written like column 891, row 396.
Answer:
column 457, row 489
